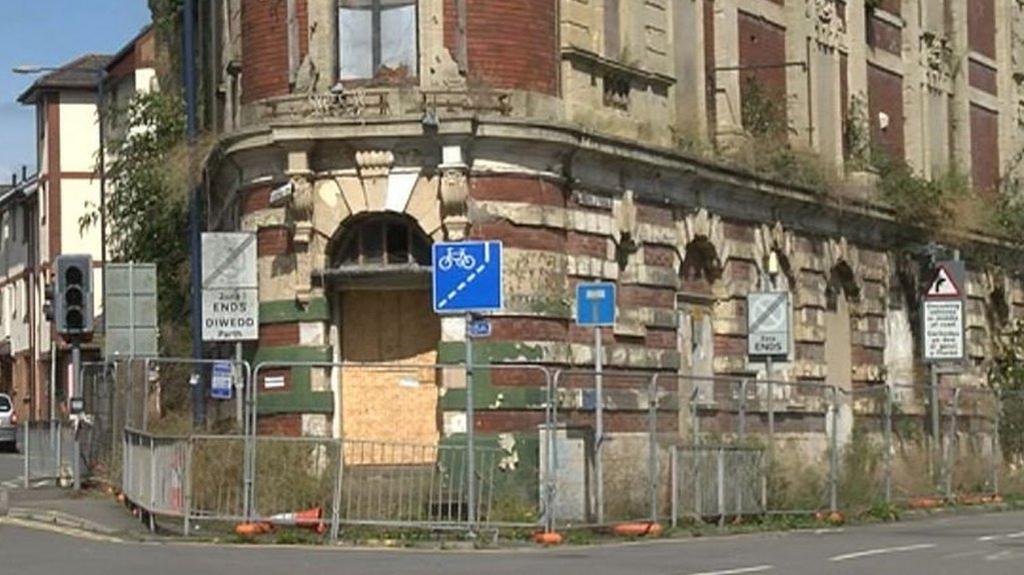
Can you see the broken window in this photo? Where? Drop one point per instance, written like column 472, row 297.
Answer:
column 377, row 39
column 388, row 240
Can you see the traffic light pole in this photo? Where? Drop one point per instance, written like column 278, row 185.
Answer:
column 76, row 451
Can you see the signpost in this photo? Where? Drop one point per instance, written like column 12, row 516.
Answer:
column 595, row 307
column 230, row 287
column 467, row 279
column 130, row 303
column 942, row 318
column 221, row 380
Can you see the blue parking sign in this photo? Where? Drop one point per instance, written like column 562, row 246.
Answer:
column 595, row 304
column 467, row 277
column 221, row 380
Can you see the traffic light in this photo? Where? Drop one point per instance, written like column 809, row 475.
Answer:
column 48, row 301
column 73, row 307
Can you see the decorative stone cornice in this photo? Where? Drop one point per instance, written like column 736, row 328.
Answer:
column 374, row 163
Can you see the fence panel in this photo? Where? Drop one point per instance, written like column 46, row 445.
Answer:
column 47, row 451
column 613, row 477
column 717, row 481
column 217, row 480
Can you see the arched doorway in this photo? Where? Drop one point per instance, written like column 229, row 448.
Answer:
column 840, row 292
column 700, row 269
column 379, row 281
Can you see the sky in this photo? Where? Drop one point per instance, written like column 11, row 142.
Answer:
column 51, row 33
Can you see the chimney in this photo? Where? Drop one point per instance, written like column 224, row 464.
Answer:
column 24, row 172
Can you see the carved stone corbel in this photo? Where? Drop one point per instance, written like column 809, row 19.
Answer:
column 829, row 27
column 454, row 194
column 374, row 168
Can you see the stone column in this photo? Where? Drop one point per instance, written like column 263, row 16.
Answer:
column 322, row 62
column 960, row 105
column 688, row 55
column 915, row 89
column 728, row 119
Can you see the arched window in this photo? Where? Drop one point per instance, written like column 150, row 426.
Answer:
column 382, row 240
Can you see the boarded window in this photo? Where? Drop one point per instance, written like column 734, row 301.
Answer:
column 377, row 39
column 984, row 149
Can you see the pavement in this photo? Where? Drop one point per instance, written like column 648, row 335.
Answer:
column 105, row 543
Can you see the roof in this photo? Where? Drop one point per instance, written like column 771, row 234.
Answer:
column 23, row 189
column 81, row 73
column 129, row 49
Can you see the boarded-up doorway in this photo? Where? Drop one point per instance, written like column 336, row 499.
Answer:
column 388, row 327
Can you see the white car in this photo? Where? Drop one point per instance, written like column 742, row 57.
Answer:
column 8, row 424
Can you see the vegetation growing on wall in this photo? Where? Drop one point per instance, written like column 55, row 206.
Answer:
column 1006, row 375
column 146, row 208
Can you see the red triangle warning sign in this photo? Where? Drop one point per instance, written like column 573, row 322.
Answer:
column 943, row 285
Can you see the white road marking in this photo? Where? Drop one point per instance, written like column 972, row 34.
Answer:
column 828, row 531
column 881, row 551
column 1017, row 535
column 756, row 569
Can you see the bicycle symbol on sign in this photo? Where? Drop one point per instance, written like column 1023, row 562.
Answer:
column 456, row 257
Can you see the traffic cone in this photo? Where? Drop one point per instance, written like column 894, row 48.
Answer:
column 308, row 519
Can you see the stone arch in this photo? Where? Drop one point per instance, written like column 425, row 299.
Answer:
column 841, row 281
column 778, row 243
column 700, row 267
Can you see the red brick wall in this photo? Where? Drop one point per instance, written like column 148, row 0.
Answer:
column 981, row 26
column 522, row 237
column 512, row 45
column 302, row 15
column 264, row 49
column 255, row 199
column 984, row 149
column 885, row 94
column 273, row 241
column 289, row 425
column 279, row 334
column 511, row 189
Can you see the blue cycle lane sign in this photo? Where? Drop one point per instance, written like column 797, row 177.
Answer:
column 467, row 277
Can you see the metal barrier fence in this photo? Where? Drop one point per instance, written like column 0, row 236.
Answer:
column 48, row 451
column 718, row 481
column 595, row 449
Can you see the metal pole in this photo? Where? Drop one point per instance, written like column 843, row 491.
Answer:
column 552, row 449
column 470, row 429
column 742, row 424
column 833, row 471
column 950, row 447
column 721, row 486
column 76, row 371
column 599, row 421
column 674, row 462
column 188, row 485
column 28, row 451
column 652, row 444
column 195, row 209
column 997, row 458
column 769, row 374
column 888, row 443
column 934, row 408
column 100, row 103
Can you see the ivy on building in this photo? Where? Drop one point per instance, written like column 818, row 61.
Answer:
column 146, row 205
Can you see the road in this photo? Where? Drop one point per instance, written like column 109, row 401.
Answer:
column 11, row 467
column 976, row 544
